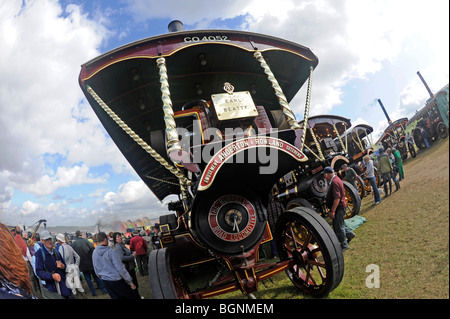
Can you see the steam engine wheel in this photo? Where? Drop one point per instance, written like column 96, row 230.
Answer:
column 316, row 261
column 164, row 281
column 353, row 200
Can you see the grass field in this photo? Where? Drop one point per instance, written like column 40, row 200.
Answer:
column 406, row 236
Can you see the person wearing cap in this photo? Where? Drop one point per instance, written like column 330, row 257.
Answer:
column 336, row 202
column 112, row 272
column 50, row 267
column 139, row 245
column 72, row 260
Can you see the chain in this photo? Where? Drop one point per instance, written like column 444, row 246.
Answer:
column 161, row 180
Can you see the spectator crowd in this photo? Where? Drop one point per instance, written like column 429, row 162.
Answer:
column 43, row 266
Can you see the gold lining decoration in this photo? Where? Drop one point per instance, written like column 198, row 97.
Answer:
column 145, row 56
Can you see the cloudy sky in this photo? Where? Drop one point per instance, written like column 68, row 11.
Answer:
column 58, row 163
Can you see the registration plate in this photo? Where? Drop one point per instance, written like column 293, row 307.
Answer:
column 234, row 106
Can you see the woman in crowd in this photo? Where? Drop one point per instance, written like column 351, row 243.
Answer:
column 14, row 279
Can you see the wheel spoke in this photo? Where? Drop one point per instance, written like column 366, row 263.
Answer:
column 294, row 240
column 301, row 244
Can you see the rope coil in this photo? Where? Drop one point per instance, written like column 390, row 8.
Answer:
column 137, row 139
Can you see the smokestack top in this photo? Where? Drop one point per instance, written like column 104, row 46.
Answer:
column 384, row 111
column 175, row 25
column 425, row 83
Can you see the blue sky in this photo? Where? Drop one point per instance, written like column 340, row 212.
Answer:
column 59, row 164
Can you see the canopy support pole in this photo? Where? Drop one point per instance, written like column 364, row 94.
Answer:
column 307, row 105
column 288, row 113
column 319, row 149
column 173, row 143
column 339, row 137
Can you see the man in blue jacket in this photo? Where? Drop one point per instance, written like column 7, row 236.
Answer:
column 50, row 267
column 110, row 269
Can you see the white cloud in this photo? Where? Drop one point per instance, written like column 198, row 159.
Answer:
column 98, row 192
column 133, row 195
column 41, row 104
column 64, row 177
column 29, row 208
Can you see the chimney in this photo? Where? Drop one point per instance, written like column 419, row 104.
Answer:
column 384, row 110
column 175, row 25
column 425, row 83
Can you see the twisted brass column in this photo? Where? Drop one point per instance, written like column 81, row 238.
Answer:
column 307, row 104
column 319, row 149
column 173, row 143
column 339, row 136
column 290, row 117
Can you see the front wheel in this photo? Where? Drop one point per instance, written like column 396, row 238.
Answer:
column 412, row 150
column 353, row 200
column 317, row 262
column 361, row 187
column 442, row 130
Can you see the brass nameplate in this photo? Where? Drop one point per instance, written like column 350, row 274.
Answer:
column 234, row 106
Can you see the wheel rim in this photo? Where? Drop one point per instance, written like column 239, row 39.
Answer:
column 352, row 203
column 350, row 211
column 361, row 187
column 309, row 269
column 299, row 202
column 442, row 130
column 412, row 151
column 316, row 263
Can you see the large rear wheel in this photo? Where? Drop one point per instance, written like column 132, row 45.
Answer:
column 299, row 202
column 317, row 262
